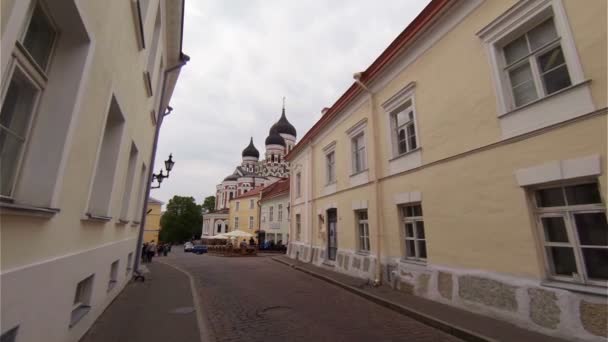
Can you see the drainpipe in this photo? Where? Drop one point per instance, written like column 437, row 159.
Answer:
column 377, row 190
column 183, row 60
column 309, row 199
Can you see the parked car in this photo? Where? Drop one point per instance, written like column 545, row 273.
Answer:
column 199, row 249
column 188, row 247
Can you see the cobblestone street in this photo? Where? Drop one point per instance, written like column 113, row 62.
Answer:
column 257, row 299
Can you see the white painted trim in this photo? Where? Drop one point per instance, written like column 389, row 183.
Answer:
column 405, row 162
column 559, row 170
column 407, row 197
column 357, row 128
column 395, row 101
column 360, row 204
column 359, row 178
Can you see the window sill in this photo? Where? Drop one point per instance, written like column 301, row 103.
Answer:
column 97, row 218
column 78, row 313
column 363, row 253
column 413, row 262
column 359, row 172
column 543, row 99
column 587, row 289
column 329, row 263
column 135, row 224
column 26, row 210
column 122, row 222
column 405, row 154
column 111, row 285
column 139, row 26
column 148, row 83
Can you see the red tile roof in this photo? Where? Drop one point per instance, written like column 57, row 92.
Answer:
column 251, row 193
column 428, row 14
column 277, row 188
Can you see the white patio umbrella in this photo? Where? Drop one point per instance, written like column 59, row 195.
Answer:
column 218, row 236
column 238, row 234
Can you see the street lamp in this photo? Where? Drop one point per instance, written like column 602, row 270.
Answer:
column 160, row 176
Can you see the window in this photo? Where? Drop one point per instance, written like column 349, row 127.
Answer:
column 82, row 300
column 237, row 205
column 535, row 65
column 298, row 228
column 103, row 182
column 126, row 197
column 271, row 213
column 280, row 212
column 236, row 223
column 10, row 335
column 298, row 185
column 129, row 263
column 279, row 238
column 27, row 82
column 113, row 275
column 574, row 232
column 251, row 203
column 250, row 222
column 330, row 160
column 415, row 241
column 358, row 151
column 404, row 128
column 140, row 194
column 153, row 53
column 363, row 230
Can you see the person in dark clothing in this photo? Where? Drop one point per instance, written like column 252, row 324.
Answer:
column 144, row 253
column 251, row 242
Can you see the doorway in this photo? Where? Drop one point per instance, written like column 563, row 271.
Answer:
column 332, row 234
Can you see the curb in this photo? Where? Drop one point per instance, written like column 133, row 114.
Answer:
column 203, row 328
column 442, row 325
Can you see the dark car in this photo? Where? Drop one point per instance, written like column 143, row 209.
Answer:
column 199, row 249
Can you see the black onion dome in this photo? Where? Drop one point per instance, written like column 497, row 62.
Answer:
column 274, row 138
column 251, row 151
column 232, row 177
column 283, row 126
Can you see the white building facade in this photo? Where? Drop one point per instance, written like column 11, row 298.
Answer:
column 83, row 86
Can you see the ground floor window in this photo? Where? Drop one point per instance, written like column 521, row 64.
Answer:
column 298, row 227
column 413, row 226
column 363, row 230
column 574, row 232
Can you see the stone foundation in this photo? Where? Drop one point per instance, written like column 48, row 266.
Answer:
column 524, row 302
column 348, row 262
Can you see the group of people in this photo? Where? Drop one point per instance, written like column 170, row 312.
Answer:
column 149, row 250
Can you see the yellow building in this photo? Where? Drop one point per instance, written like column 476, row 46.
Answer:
column 467, row 165
column 244, row 212
column 83, row 85
column 153, row 216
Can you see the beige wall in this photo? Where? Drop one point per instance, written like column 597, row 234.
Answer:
column 244, row 213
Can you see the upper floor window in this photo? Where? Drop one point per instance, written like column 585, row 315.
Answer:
column 415, row 240
column 251, row 203
column 236, row 223
column 27, row 82
column 358, row 151
column 404, row 128
column 535, row 64
column 280, row 213
column 271, row 213
column 237, row 205
column 250, row 222
column 298, row 185
column 574, row 232
column 330, row 160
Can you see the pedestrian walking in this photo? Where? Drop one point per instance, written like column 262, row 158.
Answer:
column 165, row 249
column 144, row 253
column 151, row 251
column 159, row 249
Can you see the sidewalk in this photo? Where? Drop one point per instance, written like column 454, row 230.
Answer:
column 460, row 323
column 159, row 309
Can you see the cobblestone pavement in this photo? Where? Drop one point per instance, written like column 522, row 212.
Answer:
column 258, row 299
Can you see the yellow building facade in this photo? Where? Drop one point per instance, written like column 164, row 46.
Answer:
column 83, row 83
column 152, row 229
column 244, row 212
column 467, row 165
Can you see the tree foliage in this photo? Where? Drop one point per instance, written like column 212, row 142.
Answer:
column 181, row 221
column 209, row 204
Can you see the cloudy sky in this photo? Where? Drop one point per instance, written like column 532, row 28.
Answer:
column 245, row 56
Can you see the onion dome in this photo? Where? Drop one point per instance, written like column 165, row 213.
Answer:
column 274, row 138
column 232, row 177
column 283, row 126
column 251, row 151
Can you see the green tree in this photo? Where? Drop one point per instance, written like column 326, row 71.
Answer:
column 181, row 221
column 209, row 204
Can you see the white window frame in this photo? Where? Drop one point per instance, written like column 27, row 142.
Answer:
column 403, row 100
column 567, row 212
column 363, row 241
column 34, row 74
column 271, row 213
column 237, row 204
column 250, row 222
column 236, row 223
column 113, row 280
column 251, row 203
column 516, row 21
column 415, row 222
column 330, row 167
column 359, row 130
column 279, row 213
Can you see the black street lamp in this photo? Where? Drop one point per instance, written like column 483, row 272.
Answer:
column 160, row 176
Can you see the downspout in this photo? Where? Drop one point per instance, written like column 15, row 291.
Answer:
column 183, row 60
column 377, row 190
column 309, row 200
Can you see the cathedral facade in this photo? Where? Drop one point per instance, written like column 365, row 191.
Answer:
column 254, row 172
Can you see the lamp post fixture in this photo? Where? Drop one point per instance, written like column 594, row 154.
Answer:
column 160, row 176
